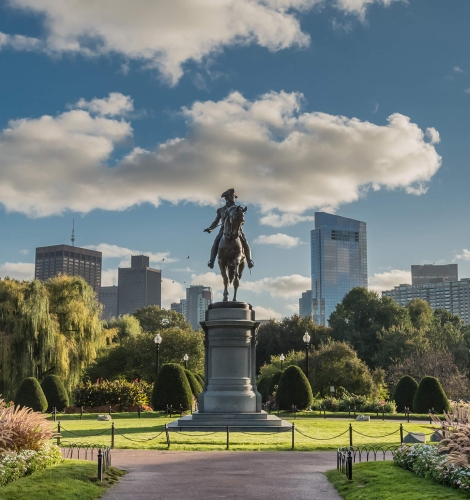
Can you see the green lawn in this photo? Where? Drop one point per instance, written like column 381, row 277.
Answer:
column 72, row 479
column 385, row 481
column 136, row 431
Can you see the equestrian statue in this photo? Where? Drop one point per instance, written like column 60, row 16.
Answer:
column 230, row 244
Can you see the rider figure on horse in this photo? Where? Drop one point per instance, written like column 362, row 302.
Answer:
column 229, row 196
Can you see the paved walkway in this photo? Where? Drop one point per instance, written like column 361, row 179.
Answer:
column 234, row 475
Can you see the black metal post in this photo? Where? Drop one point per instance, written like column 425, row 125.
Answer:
column 282, row 362
column 293, row 436
column 354, row 412
column 81, row 412
column 430, row 419
column 350, row 435
column 306, row 358
column 401, row 433
column 58, row 433
column 138, row 410
column 157, row 361
column 100, row 465
column 110, row 409
column 349, row 466
column 54, row 414
column 167, row 432
column 324, row 412
column 112, row 435
column 185, row 364
column 228, row 437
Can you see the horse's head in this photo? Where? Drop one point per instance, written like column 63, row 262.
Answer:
column 237, row 219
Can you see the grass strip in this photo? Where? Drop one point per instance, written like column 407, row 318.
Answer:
column 72, row 479
column 386, row 481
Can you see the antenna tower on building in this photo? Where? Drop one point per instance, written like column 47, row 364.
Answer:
column 72, row 239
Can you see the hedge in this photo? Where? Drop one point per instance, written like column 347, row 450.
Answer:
column 430, row 394
column 405, row 392
column 172, row 388
column 30, row 394
column 294, row 389
column 196, row 388
column 55, row 393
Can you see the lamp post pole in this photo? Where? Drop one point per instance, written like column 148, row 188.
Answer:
column 158, row 340
column 185, row 359
column 306, row 339
column 282, row 358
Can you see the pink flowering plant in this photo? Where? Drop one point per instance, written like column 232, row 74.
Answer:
column 426, row 461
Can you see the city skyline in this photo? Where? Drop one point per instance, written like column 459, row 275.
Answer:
column 354, row 108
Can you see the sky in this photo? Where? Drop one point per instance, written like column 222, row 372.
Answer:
column 132, row 118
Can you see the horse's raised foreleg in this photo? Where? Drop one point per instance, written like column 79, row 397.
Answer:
column 223, row 272
column 236, row 278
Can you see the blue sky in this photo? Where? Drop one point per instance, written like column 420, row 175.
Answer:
column 133, row 117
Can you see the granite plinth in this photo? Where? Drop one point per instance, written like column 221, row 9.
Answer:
column 212, row 422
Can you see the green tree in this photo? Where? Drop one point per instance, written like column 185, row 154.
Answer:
column 359, row 318
column 399, row 342
column 31, row 395
column 294, row 389
column 196, row 388
column 124, row 327
column 421, row 314
column 152, row 319
column 172, row 388
column 273, row 384
column 55, row 393
column 405, row 392
column 337, row 364
column 429, row 395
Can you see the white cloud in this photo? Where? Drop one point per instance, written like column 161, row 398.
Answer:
column 465, row 255
column 467, row 91
column 172, row 291
column 210, row 278
column 266, row 313
column 458, row 69
column 166, row 34
column 115, row 251
column 279, row 239
column 109, row 277
column 20, row 42
column 24, row 251
column 276, row 220
column 388, row 280
column 115, row 104
column 302, row 161
column 17, row 270
column 293, row 308
column 183, row 270
column 283, row 286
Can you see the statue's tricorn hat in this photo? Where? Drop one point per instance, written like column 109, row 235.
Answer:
column 229, row 192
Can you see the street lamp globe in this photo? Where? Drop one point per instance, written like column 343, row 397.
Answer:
column 282, row 357
column 158, row 339
column 306, row 338
column 185, row 357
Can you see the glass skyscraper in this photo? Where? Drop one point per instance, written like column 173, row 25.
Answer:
column 339, row 262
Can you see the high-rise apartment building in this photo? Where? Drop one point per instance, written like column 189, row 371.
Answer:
column 338, row 260
column 138, row 285
column 180, row 307
column 305, row 304
column 198, row 299
column 430, row 273
column 109, row 299
column 70, row 260
column 453, row 296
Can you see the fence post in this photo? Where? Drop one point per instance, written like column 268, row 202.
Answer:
column 430, row 419
column 167, row 436
column 349, row 466
column 58, row 433
column 228, row 437
column 81, row 412
column 293, row 436
column 401, row 433
column 110, row 409
column 112, row 435
column 100, row 465
column 350, row 435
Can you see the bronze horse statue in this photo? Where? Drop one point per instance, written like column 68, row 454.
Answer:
column 231, row 253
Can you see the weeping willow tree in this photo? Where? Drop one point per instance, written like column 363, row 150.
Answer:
column 47, row 328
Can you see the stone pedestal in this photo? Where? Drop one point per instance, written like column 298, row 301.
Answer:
column 230, row 397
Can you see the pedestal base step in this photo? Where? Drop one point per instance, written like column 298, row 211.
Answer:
column 244, row 422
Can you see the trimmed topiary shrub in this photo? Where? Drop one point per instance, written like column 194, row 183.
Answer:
column 172, row 388
column 31, row 395
column 263, row 386
column 294, row 389
column 405, row 392
column 273, row 382
column 200, row 379
column 430, row 394
column 55, row 393
column 196, row 388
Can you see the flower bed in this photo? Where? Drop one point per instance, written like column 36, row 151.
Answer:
column 425, row 461
column 17, row 465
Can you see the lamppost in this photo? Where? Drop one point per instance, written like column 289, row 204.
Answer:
column 185, row 359
column 282, row 358
column 306, row 339
column 158, row 341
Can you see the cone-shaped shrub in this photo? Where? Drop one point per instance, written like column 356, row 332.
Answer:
column 199, row 379
column 55, row 393
column 31, row 395
column 274, row 381
column 263, row 386
column 196, row 388
column 430, row 394
column 172, row 388
column 405, row 392
column 294, row 389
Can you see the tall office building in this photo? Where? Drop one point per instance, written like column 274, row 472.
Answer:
column 70, row 260
column 339, row 262
column 198, row 299
column 180, row 307
column 109, row 299
column 138, row 285
column 305, row 304
column 430, row 273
